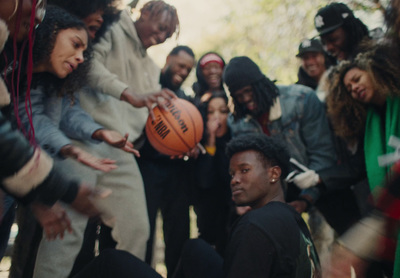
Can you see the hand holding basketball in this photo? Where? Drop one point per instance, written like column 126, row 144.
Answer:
column 176, row 130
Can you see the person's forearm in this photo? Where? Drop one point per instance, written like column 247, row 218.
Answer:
column 29, row 174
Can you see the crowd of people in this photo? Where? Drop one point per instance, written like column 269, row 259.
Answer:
column 77, row 86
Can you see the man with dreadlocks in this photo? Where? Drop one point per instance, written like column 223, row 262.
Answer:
column 123, row 75
column 291, row 113
column 340, row 31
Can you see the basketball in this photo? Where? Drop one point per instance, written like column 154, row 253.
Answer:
column 177, row 130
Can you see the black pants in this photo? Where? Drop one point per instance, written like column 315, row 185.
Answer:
column 199, row 260
column 113, row 263
column 95, row 230
column 215, row 214
column 165, row 187
column 26, row 244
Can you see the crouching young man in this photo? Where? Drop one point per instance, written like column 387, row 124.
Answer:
column 271, row 240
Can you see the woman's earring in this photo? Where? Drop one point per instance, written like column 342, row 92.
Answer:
column 15, row 9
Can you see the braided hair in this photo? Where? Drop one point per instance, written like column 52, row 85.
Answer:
column 392, row 18
column 156, row 8
column 356, row 32
column 264, row 93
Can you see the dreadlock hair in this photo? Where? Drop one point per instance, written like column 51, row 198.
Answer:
column 156, row 8
column 56, row 20
column 84, row 8
column 271, row 151
column 392, row 19
column 347, row 115
column 356, row 31
column 264, row 93
column 18, row 56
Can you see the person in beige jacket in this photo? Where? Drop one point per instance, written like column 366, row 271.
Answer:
column 127, row 78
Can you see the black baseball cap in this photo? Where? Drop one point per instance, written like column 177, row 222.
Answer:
column 331, row 17
column 307, row 45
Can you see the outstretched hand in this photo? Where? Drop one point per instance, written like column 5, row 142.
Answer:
column 54, row 220
column 84, row 201
column 102, row 164
column 115, row 139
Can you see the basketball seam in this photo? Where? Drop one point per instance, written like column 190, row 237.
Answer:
column 193, row 123
column 177, row 133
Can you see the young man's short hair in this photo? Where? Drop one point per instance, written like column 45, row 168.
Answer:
column 271, row 151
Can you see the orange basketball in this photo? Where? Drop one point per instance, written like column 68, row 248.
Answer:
column 176, row 130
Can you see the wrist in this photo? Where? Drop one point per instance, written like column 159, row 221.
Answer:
column 66, row 150
column 312, row 193
column 211, row 142
column 98, row 134
column 130, row 97
column 308, row 200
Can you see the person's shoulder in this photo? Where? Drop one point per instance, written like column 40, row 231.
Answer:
column 273, row 211
column 123, row 23
column 294, row 90
column 272, row 207
column 276, row 220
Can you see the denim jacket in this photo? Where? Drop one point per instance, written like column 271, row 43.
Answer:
column 57, row 119
column 298, row 119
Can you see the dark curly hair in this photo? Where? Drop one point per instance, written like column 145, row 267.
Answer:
column 347, row 115
column 84, row 8
column 271, row 151
column 58, row 19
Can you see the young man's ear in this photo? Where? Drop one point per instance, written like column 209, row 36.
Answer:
column 275, row 173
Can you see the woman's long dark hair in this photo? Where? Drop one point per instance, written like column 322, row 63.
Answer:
column 347, row 115
column 58, row 19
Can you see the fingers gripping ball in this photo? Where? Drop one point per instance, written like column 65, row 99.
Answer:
column 176, row 130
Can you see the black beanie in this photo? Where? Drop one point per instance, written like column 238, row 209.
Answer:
column 241, row 72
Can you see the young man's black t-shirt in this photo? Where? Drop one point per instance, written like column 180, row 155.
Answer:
column 272, row 241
